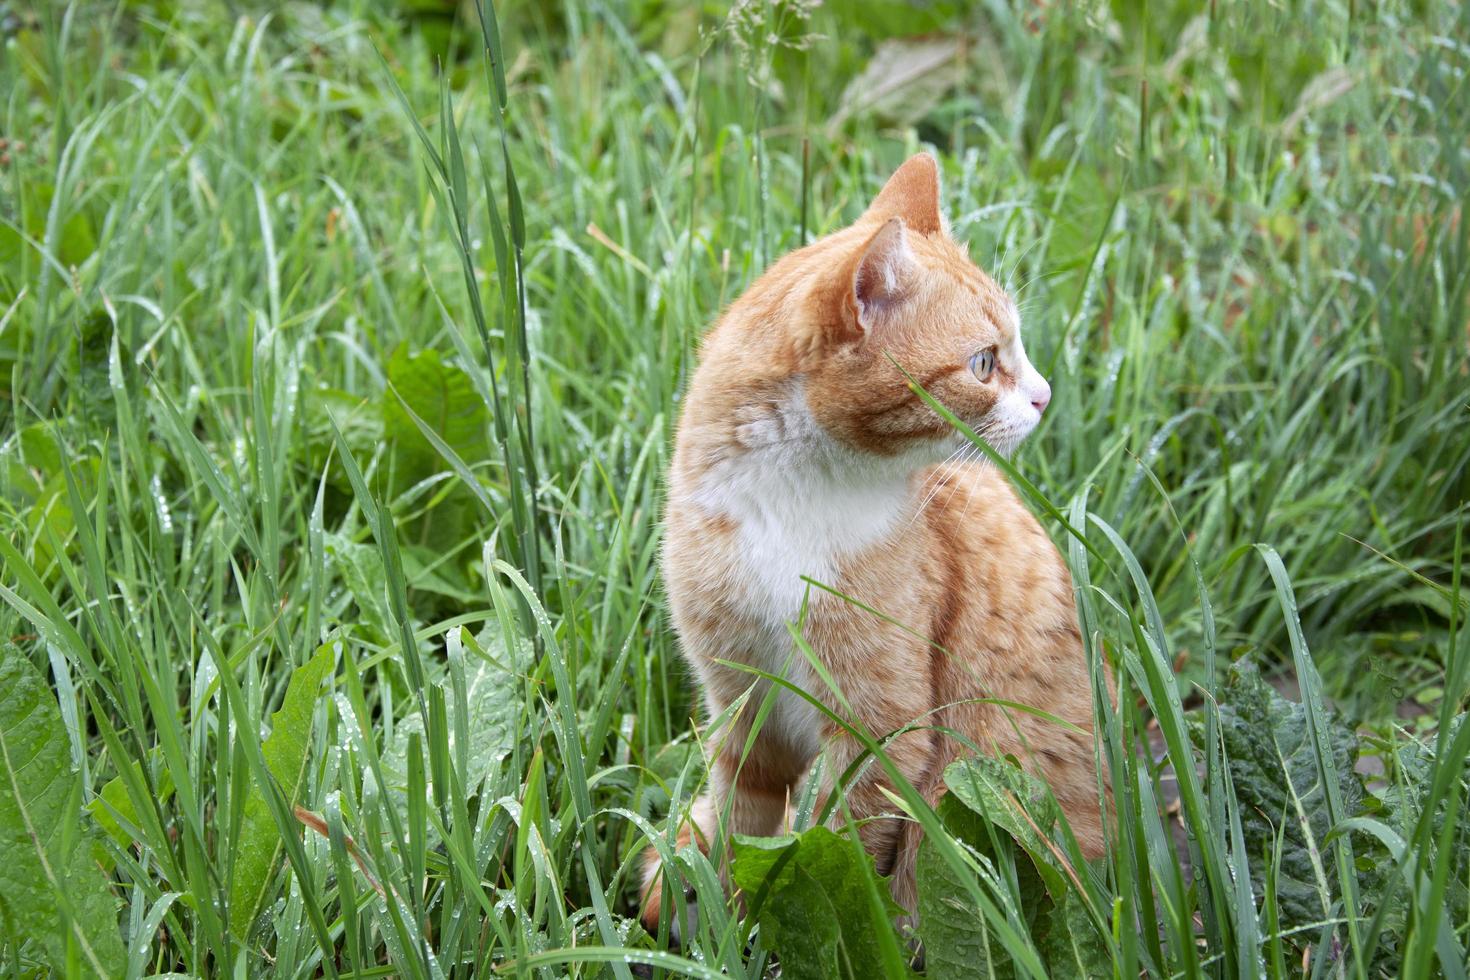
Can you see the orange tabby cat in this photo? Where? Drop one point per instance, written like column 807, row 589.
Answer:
column 802, row 452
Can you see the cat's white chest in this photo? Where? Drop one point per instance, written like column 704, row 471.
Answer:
column 793, row 533
column 791, row 526
column 802, row 505
column 801, row 508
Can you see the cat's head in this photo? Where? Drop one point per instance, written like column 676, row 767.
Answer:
column 898, row 290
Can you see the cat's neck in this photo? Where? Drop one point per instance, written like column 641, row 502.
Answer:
column 785, row 481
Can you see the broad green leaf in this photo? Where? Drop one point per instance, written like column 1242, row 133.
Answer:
column 41, row 448
column 360, row 567
column 1068, row 940
column 114, row 798
column 49, row 522
column 426, row 390
column 442, row 396
column 50, row 887
column 359, row 420
column 951, row 925
column 803, row 925
column 424, row 568
column 287, row 755
column 33, row 477
column 954, row 932
column 1016, row 802
column 88, row 356
column 493, row 710
column 817, row 914
column 76, row 239
column 1402, row 805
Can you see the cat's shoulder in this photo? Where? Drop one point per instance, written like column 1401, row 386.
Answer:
column 975, row 506
column 965, row 480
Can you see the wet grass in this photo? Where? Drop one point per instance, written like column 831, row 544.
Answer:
column 290, row 364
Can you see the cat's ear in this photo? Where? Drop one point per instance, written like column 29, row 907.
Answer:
column 883, row 274
column 912, row 193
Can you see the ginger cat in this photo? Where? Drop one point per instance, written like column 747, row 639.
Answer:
column 801, row 451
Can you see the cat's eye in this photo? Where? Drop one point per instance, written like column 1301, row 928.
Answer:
column 982, row 365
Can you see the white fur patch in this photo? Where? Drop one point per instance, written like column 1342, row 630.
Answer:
column 802, row 503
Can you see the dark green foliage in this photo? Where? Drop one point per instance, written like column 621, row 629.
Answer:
column 952, row 928
column 441, row 515
column 1412, row 805
column 1282, row 801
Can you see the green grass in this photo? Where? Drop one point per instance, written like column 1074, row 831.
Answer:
column 262, row 450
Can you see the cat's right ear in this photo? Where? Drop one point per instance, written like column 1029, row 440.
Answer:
column 883, row 274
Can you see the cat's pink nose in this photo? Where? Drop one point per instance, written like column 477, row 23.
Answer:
column 1041, row 398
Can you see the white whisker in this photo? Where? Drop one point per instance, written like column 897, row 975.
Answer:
column 918, row 511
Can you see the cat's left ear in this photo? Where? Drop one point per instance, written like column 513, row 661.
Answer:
column 912, row 193
column 883, row 274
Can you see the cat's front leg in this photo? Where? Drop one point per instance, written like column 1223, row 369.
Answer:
column 754, row 766
column 886, row 833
